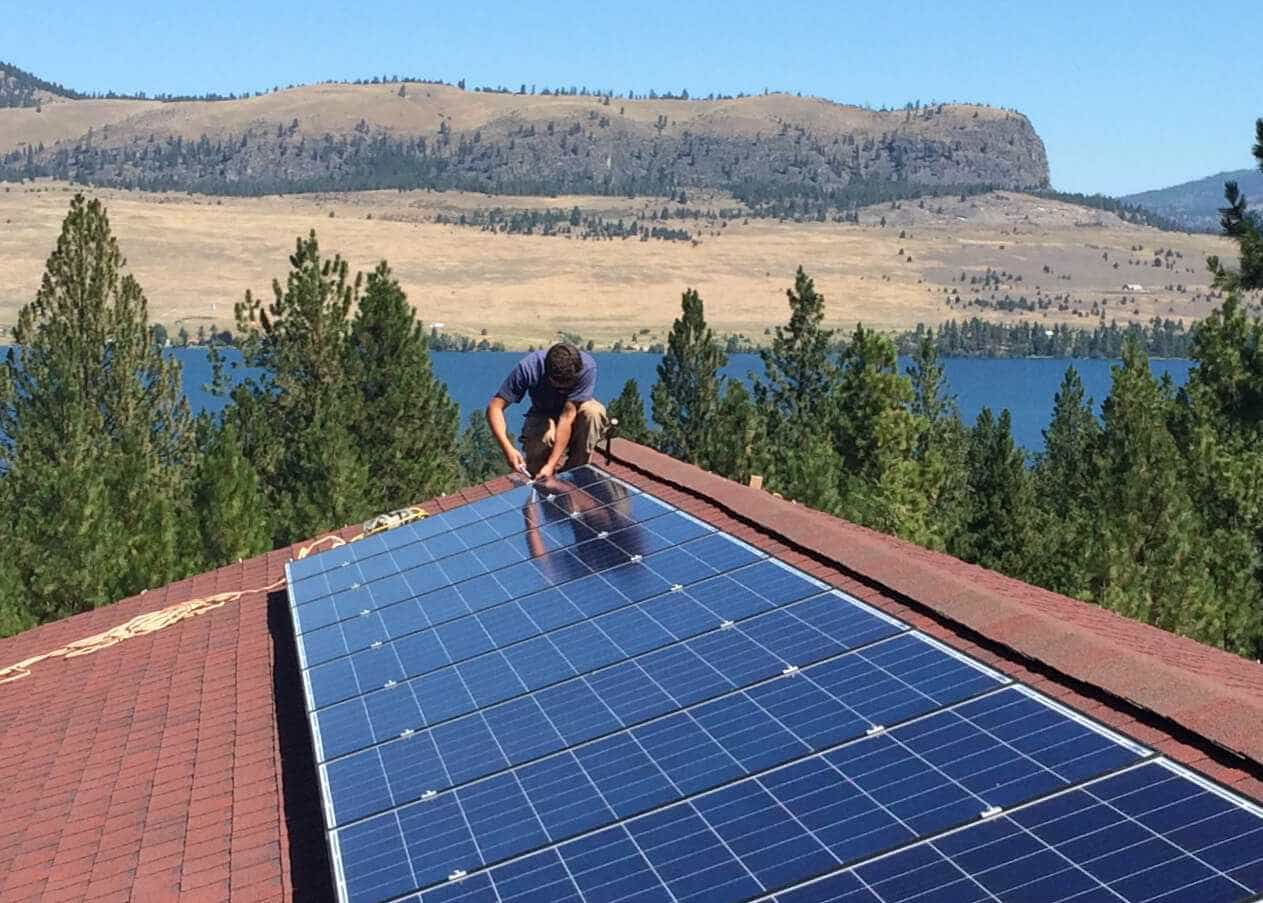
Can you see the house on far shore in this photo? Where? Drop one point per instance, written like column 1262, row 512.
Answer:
column 1133, row 287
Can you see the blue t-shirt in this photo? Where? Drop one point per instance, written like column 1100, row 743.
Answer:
column 528, row 376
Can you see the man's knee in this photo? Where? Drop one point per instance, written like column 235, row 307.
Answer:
column 594, row 415
column 591, row 424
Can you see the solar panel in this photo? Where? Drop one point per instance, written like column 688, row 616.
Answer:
column 582, row 693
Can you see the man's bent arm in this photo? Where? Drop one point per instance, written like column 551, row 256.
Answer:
column 500, row 432
column 561, row 441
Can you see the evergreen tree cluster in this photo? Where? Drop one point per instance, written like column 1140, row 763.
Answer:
column 1154, row 510
column 110, row 485
column 976, row 337
column 19, row 88
column 571, row 223
column 347, row 418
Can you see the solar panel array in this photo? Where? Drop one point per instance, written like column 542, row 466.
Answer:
column 580, row 693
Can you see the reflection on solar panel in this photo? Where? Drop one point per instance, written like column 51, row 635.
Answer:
column 581, row 693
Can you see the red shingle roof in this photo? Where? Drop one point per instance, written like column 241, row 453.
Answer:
column 179, row 764
column 173, row 765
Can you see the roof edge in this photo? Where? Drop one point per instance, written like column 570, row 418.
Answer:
column 1079, row 640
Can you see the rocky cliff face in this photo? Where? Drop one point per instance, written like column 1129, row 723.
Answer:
column 765, row 148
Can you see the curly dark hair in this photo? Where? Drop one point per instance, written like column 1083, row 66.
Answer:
column 562, row 364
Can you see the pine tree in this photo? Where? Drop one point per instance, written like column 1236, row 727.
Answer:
column 874, row 435
column 15, row 612
column 1221, row 470
column 328, row 481
column 1245, row 229
column 1064, row 469
column 61, row 529
column 810, row 473
column 406, row 424
column 97, row 438
column 477, row 454
column 996, row 530
column 939, row 449
column 1066, row 487
column 629, row 410
column 736, row 445
column 231, row 512
column 296, row 421
column 1147, row 552
column 1219, row 429
column 930, row 397
column 1228, row 348
column 687, row 391
column 798, row 366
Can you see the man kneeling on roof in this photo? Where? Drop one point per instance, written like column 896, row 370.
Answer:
column 565, row 421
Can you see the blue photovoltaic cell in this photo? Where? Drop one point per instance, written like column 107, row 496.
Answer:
column 463, row 551
column 1110, row 840
column 593, row 697
column 695, row 750
column 1148, row 834
column 716, row 659
column 594, row 594
column 634, row 690
column 925, row 777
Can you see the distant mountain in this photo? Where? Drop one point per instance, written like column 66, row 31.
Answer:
column 1196, row 204
column 772, row 149
column 19, row 88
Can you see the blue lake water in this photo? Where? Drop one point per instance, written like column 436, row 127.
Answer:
column 1025, row 386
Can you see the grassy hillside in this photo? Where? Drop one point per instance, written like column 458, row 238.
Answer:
column 1002, row 256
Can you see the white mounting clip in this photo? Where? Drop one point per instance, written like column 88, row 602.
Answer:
column 388, row 684
column 990, row 812
column 345, row 563
column 355, row 586
column 429, row 794
column 457, row 875
column 727, row 625
column 364, row 612
column 637, row 558
column 547, row 498
column 792, row 669
column 575, row 513
column 376, row 644
column 874, row 730
column 604, row 534
column 406, row 732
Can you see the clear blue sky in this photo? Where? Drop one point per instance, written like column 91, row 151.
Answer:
column 1126, row 95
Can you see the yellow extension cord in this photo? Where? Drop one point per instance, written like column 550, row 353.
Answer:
column 153, row 621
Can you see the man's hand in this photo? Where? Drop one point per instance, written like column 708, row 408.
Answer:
column 500, row 432
column 516, row 462
column 547, row 472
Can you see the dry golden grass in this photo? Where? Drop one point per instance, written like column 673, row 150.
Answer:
column 196, row 256
column 62, row 120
